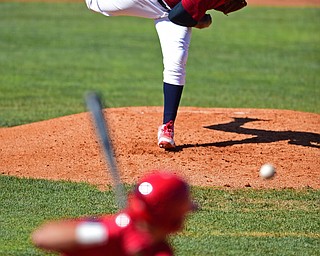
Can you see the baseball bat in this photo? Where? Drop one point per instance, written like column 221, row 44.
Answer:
column 94, row 105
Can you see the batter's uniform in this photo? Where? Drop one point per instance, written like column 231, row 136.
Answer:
column 156, row 208
column 174, row 38
column 115, row 235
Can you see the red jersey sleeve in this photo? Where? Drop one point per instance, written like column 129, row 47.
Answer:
column 197, row 8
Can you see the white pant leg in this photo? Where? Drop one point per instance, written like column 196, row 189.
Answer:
column 150, row 9
column 175, row 41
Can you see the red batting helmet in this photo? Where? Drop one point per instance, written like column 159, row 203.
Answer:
column 162, row 199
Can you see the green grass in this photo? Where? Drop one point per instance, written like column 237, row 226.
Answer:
column 251, row 222
column 261, row 58
column 50, row 54
column 26, row 204
column 229, row 222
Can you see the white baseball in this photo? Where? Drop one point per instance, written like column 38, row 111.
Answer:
column 267, row 171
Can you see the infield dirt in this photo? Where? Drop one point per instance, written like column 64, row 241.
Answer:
column 216, row 147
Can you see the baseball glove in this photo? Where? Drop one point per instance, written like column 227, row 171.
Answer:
column 231, row 6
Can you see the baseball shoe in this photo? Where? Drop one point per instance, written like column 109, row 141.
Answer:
column 165, row 136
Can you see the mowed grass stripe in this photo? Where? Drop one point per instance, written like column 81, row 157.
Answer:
column 258, row 234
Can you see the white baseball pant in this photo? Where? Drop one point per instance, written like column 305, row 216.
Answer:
column 174, row 39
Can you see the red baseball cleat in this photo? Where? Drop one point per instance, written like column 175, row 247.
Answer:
column 165, row 136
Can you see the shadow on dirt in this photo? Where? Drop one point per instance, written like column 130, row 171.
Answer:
column 306, row 139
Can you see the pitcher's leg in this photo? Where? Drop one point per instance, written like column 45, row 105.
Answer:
column 175, row 41
column 150, row 9
column 172, row 95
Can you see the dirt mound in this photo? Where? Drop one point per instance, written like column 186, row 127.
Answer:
column 216, row 147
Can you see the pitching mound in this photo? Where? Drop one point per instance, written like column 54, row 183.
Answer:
column 216, row 147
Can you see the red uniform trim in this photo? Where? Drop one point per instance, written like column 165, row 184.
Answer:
column 196, row 8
